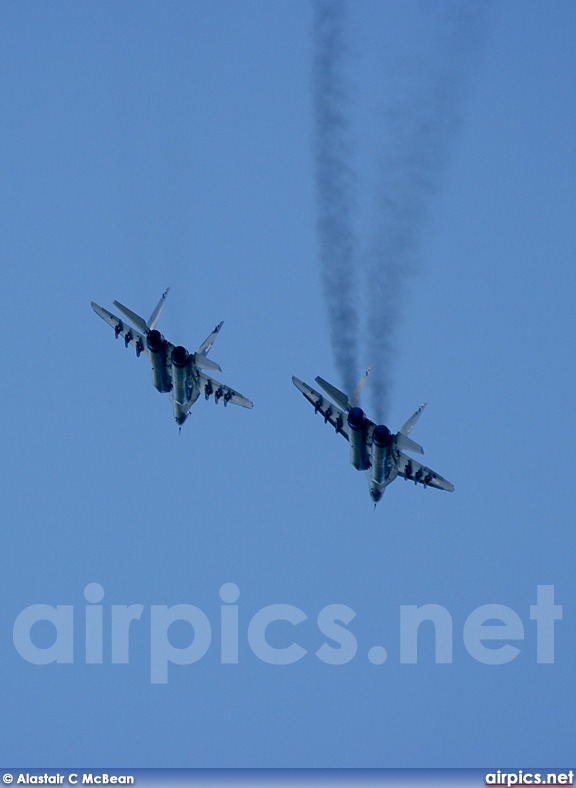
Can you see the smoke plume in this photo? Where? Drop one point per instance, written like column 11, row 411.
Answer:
column 335, row 184
column 421, row 114
column 419, row 128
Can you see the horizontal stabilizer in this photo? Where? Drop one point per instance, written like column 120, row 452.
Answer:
column 406, row 443
column 137, row 321
column 337, row 396
column 202, row 362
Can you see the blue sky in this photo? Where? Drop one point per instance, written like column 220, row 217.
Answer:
column 149, row 145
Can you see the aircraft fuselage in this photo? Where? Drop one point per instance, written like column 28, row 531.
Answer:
column 175, row 371
column 374, row 449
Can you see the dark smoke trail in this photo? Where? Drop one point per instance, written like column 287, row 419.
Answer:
column 419, row 129
column 335, row 184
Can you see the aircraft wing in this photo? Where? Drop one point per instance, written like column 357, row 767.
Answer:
column 212, row 388
column 331, row 413
column 122, row 329
column 410, row 469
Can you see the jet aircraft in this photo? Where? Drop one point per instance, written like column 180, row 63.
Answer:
column 175, row 371
column 373, row 448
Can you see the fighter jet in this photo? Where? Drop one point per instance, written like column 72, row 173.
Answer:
column 175, row 371
column 373, row 448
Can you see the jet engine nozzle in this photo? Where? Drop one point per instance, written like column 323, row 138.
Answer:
column 180, row 362
column 358, row 450
column 157, row 346
column 356, row 419
column 180, row 357
column 382, row 436
column 155, row 341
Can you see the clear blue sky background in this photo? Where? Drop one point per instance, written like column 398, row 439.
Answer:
column 153, row 144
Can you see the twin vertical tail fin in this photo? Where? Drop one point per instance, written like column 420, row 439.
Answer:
column 406, row 428
column 204, row 348
column 402, row 439
column 347, row 403
column 139, row 322
column 200, row 357
column 355, row 396
column 146, row 326
column 342, row 400
column 154, row 317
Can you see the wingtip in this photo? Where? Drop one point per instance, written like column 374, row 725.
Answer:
column 300, row 385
